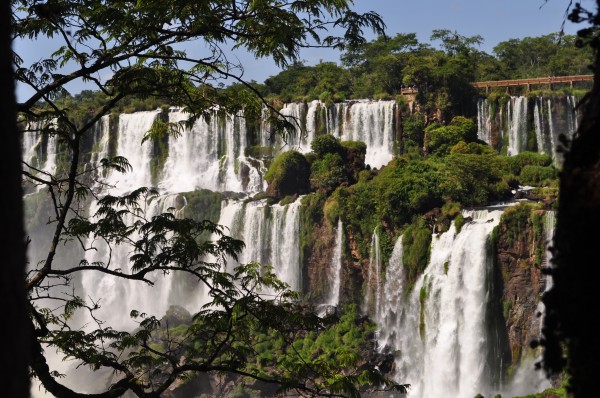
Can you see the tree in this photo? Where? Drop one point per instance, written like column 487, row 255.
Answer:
column 136, row 51
column 14, row 358
column 570, row 330
column 377, row 66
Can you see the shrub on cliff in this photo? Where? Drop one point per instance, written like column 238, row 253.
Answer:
column 288, row 175
column 328, row 173
column 537, row 175
column 324, row 144
column 439, row 140
column 355, row 153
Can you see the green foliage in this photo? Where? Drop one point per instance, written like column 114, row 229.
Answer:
column 258, row 152
column 506, row 307
column 416, row 241
column 288, row 175
column 549, row 55
column 328, row 173
column 440, row 140
column 413, row 133
column 537, row 175
column 202, row 205
column 516, row 220
column 514, row 164
column 324, row 144
column 137, row 48
column 459, row 222
column 474, row 180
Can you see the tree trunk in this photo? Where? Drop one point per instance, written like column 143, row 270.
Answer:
column 14, row 355
column 572, row 323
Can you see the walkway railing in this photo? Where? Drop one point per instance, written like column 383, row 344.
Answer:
column 551, row 80
column 534, row 81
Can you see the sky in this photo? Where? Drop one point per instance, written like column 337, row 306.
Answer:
column 494, row 20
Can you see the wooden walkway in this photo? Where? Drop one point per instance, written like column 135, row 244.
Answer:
column 551, row 80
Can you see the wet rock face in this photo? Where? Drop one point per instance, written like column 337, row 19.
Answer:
column 319, row 263
column 520, row 257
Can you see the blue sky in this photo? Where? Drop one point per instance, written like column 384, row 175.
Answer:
column 494, row 20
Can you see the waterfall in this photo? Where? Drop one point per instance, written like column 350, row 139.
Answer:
column 113, row 293
column 439, row 329
column 210, row 155
column 391, row 305
column 373, row 281
column 371, row 122
column 131, row 130
column 539, row 125
column 335, row 275
column 271, row 235
column 517, row 118
column 484, row 121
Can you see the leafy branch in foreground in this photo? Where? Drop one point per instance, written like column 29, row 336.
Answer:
column 247, row 307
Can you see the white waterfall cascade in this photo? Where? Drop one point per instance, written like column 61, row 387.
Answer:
column 271, row 235
column 101, row 139
column 484, row 121
column 539, row 126
column 117, row 296
column 335, row 275
column 371, row 122
column 514, row 122
column 517, row 117
column 131, row 130
column 373, row 281
column 391, row 303
column 449, row 358
column 210, row 155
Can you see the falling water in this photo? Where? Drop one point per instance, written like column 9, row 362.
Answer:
column 117, row 296
column 484, row 121
column 132, row 128
column 271, row 234
column 517, row 117
column 440, row 327
column 336, row 267
column 391, row 304
column 372, row 123
column 373, row 281
column 539, row 125
column 210, row 155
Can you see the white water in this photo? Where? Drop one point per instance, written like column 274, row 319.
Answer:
column 131, row 130
column 271, row 235
column 484, row 121
column 209, row 155
column 335, row 273
column 514, row 124
column 448, row 359
column 117, row 296
column 517, row 117
column 372, row 123
column 391, row 303
column 373, row 280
